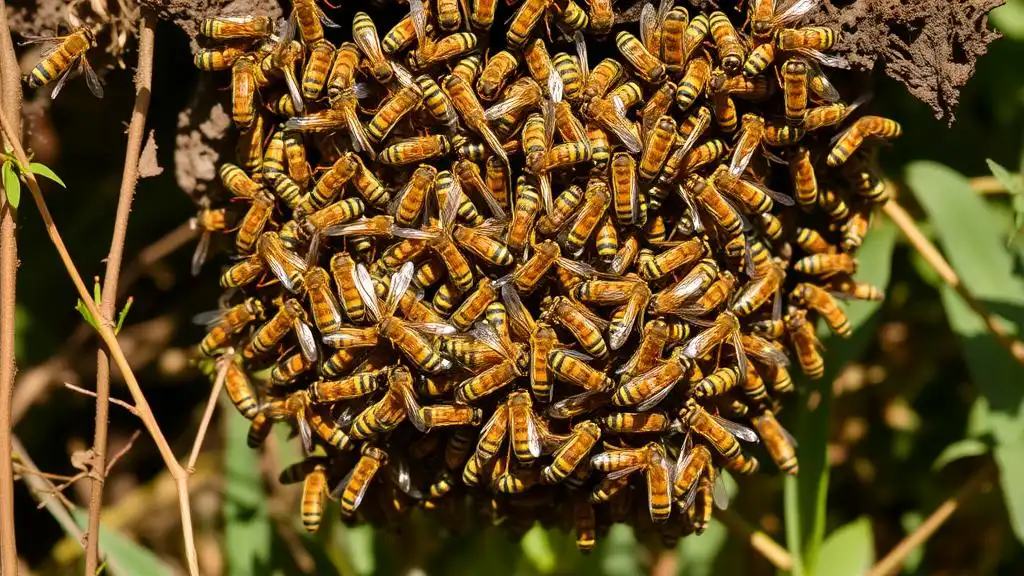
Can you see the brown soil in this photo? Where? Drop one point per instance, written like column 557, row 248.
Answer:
column 930, row 46
column 189, row 13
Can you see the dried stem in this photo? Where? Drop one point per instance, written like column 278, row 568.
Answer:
column 987, row 185
column 934, row 258
column 893, row 561
column 10, row 104
column 211, row 404
column 41, row 488
column 130, row 176
column 106, row 332
column 757, row 539
column 120, row 403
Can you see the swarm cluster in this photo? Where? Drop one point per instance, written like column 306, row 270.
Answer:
column 482, row 276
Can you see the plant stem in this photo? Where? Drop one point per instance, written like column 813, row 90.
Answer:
column 758, row 540
column 129, row 178
column 10, row 104
column 106, row 332
column 895, row 558
column 934, row 258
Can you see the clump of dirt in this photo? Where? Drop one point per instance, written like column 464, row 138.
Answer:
column 930, row 46
column 198, row 146
column 189, row 13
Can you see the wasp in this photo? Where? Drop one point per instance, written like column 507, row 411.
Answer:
column 290, row 316
column 472, row 113
column 451, row 46
column 524, row 20
column 314, row 488
column 779, row 443
column 393, row 110
column 573, row 452
column 648, row 389
column 731, row 51
column 865, row 127
column 353, row 487
column 243, row 273
column 571, row 75
column 805, row 343
column 415, row 149
column 514, row 363
column 571, row 366
column 399, row 403
column 653, row 338
column 767, row 16
column 69, row 50
column 696, row 281
column 819, row 300
column 695, row 78
column 222, row 324
column 722, row 434
column 236, row 27
column 634, row 51
column 584, row 325
column 495, row 74
column 826, row 265
column 595, row 202
column 473, row 306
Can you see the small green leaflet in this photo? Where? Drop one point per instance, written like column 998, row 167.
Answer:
column 44, row 171
column 1015, row 186
column 97, row 297
column 12, row 186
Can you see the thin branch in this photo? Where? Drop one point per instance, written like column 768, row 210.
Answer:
column 40, row 488
column 120, row 403
column 987, row 185
column 893, row 561
column 20, row 468
column 10, row 105
column 211, row 404
column 121, row 452
column 934, row 258
column 130, row 176
column 106, row 332
column 758, row 540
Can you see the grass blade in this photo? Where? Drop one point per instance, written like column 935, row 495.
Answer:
column 247, row 529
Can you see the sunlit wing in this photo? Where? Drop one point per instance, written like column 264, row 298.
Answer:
column 738, row 430
column 364, row 284
column 307, row 343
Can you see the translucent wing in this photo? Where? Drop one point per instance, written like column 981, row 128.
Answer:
column 793, row 13
column 824, row 59
column 581, row 53
column 624, row 472
column 396, row 289
column 60, row 83
column 655, row 398
column 741, row 158
column 91, row 79
column 486, row 334
column 419, row 21
column 648, row 24
column 360, row 141
column 412, row 408
column 199, row 256
column 305, row 434
column 364, row 284
column 532, row 435
column 208, row 318
column 499, row 418
column 556, row 88
column 306, row 341
column 691, row 209
column 348, row 337
column 434, row 328
column 738, row 430
column 325, row 20
column 719, row 494
column 517, row 313
column 451, row 205
column 821, row 85
column 279, row 270
column 618, row 332
column 294, row 90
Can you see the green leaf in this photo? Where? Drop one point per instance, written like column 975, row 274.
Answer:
column 960, row 449
column 86, row 315
column 697, row 555
column 1010, row 458
column 806, row 494
column 247, row 528
column 44, row 171
column 124, row 556
column 122, row 314
column 538, row 551
column 1015, row 186
column 619, row 555
column 359, row 541
column 1009, row 19
column 971, row 233
column 12, row 186
column 849, row 550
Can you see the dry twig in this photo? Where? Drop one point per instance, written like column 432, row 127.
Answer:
column 10, row 104
column 130, row 176
column 895, row 558
column 934, row 258
column 120, row 403
column 758, row 540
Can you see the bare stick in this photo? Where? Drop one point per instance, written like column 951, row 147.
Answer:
column 895, row 558
column 106, row 332
column 120, row 403
column 40, row 487
column 934, row 258
column 130, row 176
column 10, row 104
column 211, row 404
column 757, row 539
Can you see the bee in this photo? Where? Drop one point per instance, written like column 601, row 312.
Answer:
column 482, row 13
column 722, row 435
column 472, row 354
column 826, row 115
column 288, row 369
column 602, row 17
column 858, row 290
column 726, row 325
column 716, row 295
column 626, row 190
column 693, row 465
column 782, row 135
column 655, row 266
column 805, row 183
column 654, row 336
column 585, row 525
column 343, row 113
column 748, row 142
column 819, row 300
column 794, row 86
column 571, row 366
column 496, row 176
column 364, row 34
column 318, row 67
column 606, row 74
column 584, row 325
column 524, row 20
column 353, row 487
column 469, row 176
column 758, row 291
column 408, row 203
column 811, row 38
column 436, row 101
column 765, row 20
column 812, row 242
column 341, row 79
column 495, row 74
column 696, row 281
column 659, row 145
column 314, row 488
column 415, row 149
column 595, row 202
column 759, row 59
column 206, row 59
column 236, row 28
column 698, row 70
column 449, row 415
column 286, row 266
column 329, row 186
column 524, row 216
column 805, row 343
column 474, row 305
column 607, row 239
column 237, row 181
column 289, row 316
column 243, row 272
column 573, row 452
column 634, row 51
column 826, row 265
column 451, row 46
column 393, row 110
column 514, row 364
column 66, row 51
column 673, row 38
column 399, row 403
column 325, row 308
column 850, row 139
column 243, row 91
column 731, row 51
column 752, row 196
column 472, row 113
column 259, row 429
column 400, row 37
column 779, row 443
column 649, row 388
column 571, row 75
column 295, row 156
column 538, row 63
